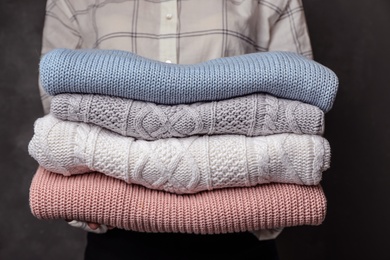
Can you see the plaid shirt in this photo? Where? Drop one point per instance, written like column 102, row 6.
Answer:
column 177, row 31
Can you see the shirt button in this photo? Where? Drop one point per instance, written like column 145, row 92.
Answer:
column 168, row 61
column 169, row 16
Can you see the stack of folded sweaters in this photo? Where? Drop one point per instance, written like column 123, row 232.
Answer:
column 229, row 145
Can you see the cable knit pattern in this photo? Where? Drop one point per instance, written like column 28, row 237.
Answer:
column 180, row 165
column 252, row 115
column 100, row 199
column 125, row 74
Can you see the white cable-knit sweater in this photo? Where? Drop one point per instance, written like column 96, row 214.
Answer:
column 180, row 165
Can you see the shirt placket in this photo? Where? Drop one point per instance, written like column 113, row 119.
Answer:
column 168, row 30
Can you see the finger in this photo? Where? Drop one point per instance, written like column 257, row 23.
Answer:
column 85, row 226
column 93, row 226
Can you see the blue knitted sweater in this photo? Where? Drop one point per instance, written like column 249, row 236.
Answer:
column 125, row 74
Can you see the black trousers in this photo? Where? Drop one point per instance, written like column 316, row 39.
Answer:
column 120, row 244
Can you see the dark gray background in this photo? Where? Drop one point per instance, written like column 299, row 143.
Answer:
column 350, row 37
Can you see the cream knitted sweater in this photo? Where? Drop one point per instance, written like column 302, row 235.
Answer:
column 180, row 165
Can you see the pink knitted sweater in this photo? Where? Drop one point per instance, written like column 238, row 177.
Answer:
column 97, row 198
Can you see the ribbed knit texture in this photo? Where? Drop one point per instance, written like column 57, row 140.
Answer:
column 125, row 74
column 97, row 198
column 251, row 115
column 180, row 165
